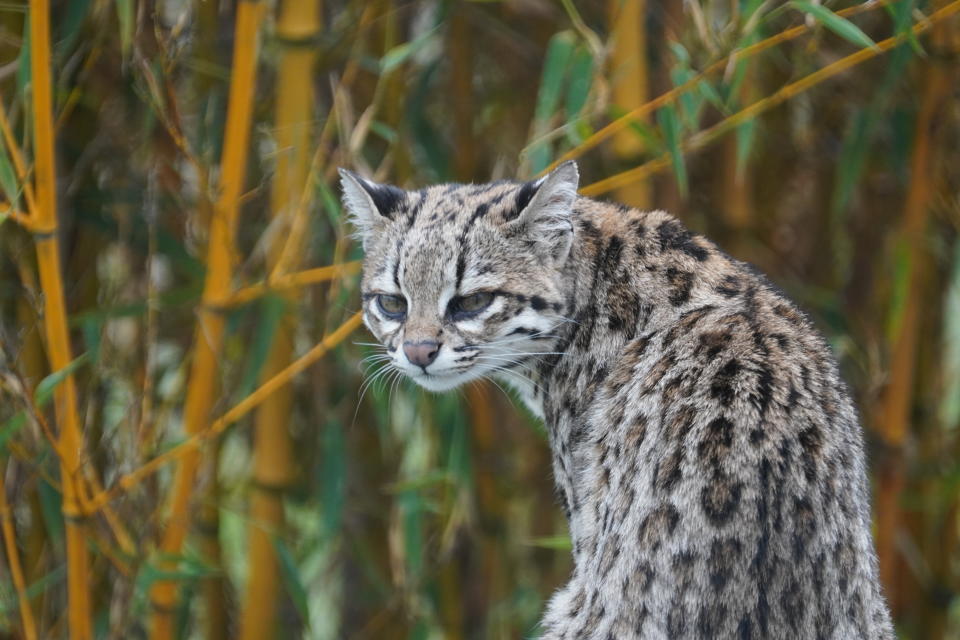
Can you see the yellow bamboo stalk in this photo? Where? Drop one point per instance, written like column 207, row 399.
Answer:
column 894, row 414
column 13, row 562
column 250, row 293
column 242, row 408
column 273, row 462
column 630, row 85
column 17, row 216
column 645, row 110
column 208, row 335
column 707, row 136
column 44, row 227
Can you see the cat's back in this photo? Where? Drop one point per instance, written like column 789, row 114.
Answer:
column 717, row 443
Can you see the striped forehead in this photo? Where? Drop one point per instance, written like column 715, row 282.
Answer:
column 431, row 234
column 453, row 208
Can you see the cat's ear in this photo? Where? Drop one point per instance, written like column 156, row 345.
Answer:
column 369, row 204
column 546, row 211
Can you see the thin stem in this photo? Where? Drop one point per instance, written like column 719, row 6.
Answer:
column 13, row 561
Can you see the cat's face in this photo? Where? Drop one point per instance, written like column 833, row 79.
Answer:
column 461, row 281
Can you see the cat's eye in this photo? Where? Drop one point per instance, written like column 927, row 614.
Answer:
column 474, row 303
column 392, row 306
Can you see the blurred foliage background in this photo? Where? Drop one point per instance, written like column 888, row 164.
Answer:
column 178, row 158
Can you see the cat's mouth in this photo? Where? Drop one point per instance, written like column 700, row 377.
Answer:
column 442, row 380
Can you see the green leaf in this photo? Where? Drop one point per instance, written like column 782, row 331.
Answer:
column 272, row 308
column 840, row 26
column 710, row 94
column 41, row 396
column 8, row 178
column 51, row 506
column 11, row 427
column 746, row 135
column 402, row 52
column 45, row 389
column 670, row 124
column 332, row 478
column 581, row 79
column 24, row 73
column 125, row 15
column 690, row 102
column 68, row 29
column 902, row 14
column 559, row 51
column 291, row 578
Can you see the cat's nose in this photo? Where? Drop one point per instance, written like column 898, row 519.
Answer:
column 421, row 353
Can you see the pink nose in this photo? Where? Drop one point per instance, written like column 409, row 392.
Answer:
column 421, row 353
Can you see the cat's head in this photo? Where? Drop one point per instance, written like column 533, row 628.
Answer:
column 460, row 281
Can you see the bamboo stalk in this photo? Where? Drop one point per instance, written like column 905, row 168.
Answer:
column 898, row 396
column 273, row 461
column 13, row 562
column 208, row 334
column 707, row 136
column 250, row 293
column 630, row 85
column 645, row 110
column 59, row 352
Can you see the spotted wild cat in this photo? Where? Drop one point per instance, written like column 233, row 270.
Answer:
column 706, row 453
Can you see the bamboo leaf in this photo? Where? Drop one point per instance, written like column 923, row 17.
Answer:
column 11, row 427
column 746, row 135
column 670, row 125
column 710, row 94
column 291, row 578
column 272, row 308
column 902, row 14
column 332, row 479
column 41, row 397
column 581, row 80
column 51, row 506
column 8, row 178
column 402, row 52
column 559, row 51
column 45, row 389
column 840, row 26
column 68, row 29
column 125, row 15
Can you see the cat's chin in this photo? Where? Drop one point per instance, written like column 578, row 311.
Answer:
column 440, row 383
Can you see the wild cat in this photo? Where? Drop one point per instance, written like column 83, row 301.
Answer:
column 705, row 450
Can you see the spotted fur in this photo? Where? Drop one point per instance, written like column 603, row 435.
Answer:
column 707, row 455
